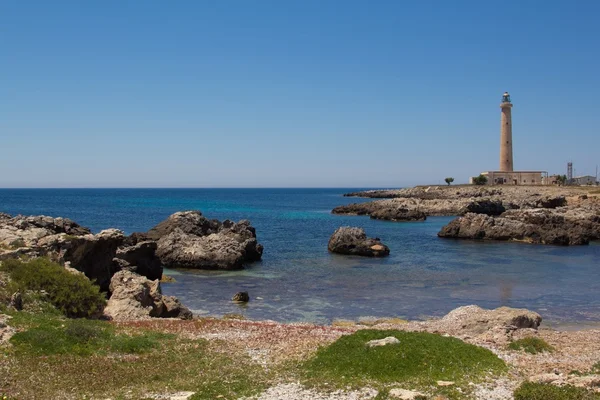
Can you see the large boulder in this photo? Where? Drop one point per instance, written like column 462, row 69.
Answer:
column 135, row 297
column 353, row 241
column 474, row 320
column 189, row 240
column 561, row 226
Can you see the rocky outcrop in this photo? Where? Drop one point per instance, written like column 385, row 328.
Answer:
column 353, row 241
column 25, row 231
column 140, row 258
column 98, row 256
column 135, row 297
column 486, row 206
column 386, row 209
column 460, row 200
column 561, row 226
column 189, row 240
column 91, row 254
column 398, row 214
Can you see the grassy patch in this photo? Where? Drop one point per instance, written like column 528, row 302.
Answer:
column 531, row 345
column 540, row 391
column 420, row 359
column 55, row 357
column 51, row 335
column 73, row 294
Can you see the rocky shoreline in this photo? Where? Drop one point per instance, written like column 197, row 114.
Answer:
column 534, row 214
column 128, row 268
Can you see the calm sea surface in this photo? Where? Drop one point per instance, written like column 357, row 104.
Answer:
column 298, row 280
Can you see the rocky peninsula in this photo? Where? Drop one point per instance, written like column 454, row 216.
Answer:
column 534, row 214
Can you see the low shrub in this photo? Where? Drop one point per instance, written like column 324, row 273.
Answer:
column 73, row 294
column 531, row 345
column 543, row 391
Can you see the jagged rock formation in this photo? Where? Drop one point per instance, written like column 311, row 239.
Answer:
column 135, row 297
column 398, row 214
column 354, row 241
column 189, row 240
column 444, row 201
column 561, row 226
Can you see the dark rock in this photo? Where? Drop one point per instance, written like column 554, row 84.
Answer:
column 398, row 214
column 354, row 241
column 16, row 301
column 189, row 240
column 241, row 297
column 356, row 209
column 140, row 258
column 546, row 226
column 486, row 206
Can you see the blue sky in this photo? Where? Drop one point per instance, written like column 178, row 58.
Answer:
column 292, row 93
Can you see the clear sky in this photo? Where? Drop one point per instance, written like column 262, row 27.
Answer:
column 292, row 93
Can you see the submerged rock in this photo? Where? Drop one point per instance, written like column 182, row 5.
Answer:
column 189, row 240
column 241, row 297
column 135, row 297
column 354, row 241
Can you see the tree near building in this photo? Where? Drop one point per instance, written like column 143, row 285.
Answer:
column 449, row 180
column 480, row 180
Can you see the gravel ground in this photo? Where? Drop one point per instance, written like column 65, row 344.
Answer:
column 270, row 344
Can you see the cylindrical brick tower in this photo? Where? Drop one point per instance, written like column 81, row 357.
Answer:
column 506, row 152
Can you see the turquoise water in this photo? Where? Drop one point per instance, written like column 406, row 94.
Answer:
column 298, row 280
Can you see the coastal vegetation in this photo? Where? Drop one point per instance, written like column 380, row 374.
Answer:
column 71, row 293
column 449, row 180
column 531, row 345
column 541, row 391
column 419, row 360
column 480, row 180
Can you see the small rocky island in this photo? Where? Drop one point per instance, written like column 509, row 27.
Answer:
column 532, row 214
column 354, row 241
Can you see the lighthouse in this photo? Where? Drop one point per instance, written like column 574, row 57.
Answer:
column 506, row 175
column 506, row 151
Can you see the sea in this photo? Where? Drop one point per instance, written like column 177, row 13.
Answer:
column 298, row 280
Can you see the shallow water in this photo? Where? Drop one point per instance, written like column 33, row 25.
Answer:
column 298, row 280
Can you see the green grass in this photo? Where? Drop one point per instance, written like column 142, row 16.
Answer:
column 56, row 357
column 531, row 345
column 50, row 335
column 419, row 360
column 540, row 391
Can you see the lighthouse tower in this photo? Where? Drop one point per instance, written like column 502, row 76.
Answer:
column 506, row 152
